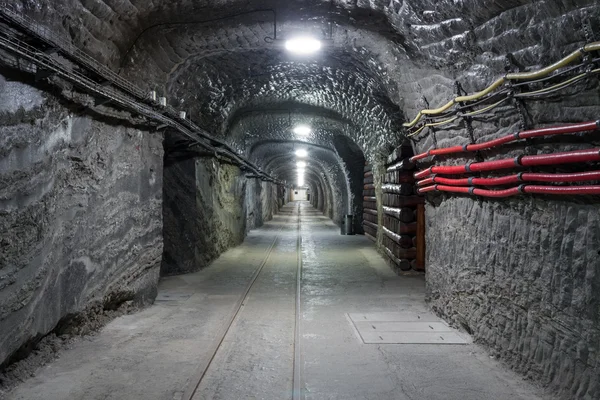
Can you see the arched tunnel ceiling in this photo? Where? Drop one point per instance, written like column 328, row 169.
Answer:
column 278, row 157
column 275, row 121
column 364, row 82
column 215, row 73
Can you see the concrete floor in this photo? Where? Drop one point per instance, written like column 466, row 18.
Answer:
column 156, row 353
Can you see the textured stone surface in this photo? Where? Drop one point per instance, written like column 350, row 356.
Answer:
column 523, row 277
column 385, row 60
column 80, row 214
column 520, row 274
column 209, row 207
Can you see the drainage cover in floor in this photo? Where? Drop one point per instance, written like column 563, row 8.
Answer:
column 167, row 295
column 405, row 328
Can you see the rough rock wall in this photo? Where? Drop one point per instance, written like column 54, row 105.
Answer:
column 269, row 201
column 261, row 203
column 80, row 214
column 209, row 207
column 181, row 224
column 523, row 277
column 522, row 274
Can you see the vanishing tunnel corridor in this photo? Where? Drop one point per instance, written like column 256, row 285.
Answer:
column 352, row 309
column 304, row 199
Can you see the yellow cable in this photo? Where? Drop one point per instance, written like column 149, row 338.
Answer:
column 525, row 76
column 414, row 121
column 594, row 46
column 429, row 112
column 482, row 110
column 558, row 85
column 475, row 96
column 439, row 110
column 447, row 121
column 561, row 84
column 519, row 76
column 491, row 106
column 415, row 133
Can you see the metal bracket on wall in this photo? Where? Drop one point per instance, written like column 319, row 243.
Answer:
column 588, row 31
column 512, row 65
column 460, row 91
column 425, row 104
column 590, row 36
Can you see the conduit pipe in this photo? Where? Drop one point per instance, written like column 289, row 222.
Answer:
column 529, row 189
column 524, row 95
column 577, row 156
column 518, row 76
column 553, row 130
column 517, row 178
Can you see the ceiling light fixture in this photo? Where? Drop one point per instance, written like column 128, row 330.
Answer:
column 303, row 45
column 302, row 130
column 301, row 153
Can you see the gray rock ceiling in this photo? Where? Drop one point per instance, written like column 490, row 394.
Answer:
column 216, row 59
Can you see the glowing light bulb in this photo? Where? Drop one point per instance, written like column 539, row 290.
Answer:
column 303, row 45
column 302, row 130
column 301, row 153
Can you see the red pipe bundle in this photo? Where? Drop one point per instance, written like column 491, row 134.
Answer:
column 530, row 189
column 568, row 157
column 554, row 130
column 516, row 178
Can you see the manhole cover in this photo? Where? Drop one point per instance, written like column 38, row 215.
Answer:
column 405, row 328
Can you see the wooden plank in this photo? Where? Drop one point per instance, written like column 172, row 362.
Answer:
column 372, row 225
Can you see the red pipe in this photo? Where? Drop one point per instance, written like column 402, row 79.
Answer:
column 568, row 157
column 521, row 177
column 559, row 190
column 553, row 130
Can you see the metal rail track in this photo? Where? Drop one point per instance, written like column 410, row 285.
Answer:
column 297, row 384
column 122, row 93
column 298, row 387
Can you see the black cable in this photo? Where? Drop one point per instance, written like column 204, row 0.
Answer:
column 477, row 103
column 548, row 78
column 544, row 94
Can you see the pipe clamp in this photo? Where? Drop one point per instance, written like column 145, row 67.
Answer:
column 518, row 160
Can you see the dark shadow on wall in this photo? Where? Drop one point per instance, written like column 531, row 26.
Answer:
column 354, row 159
column 208, row 207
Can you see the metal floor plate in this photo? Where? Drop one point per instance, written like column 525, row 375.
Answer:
column 167, row 295
column 405, row 328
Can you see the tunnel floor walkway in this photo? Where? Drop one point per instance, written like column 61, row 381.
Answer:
column 167, row 351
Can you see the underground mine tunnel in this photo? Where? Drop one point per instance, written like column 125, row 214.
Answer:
column 299, row 200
